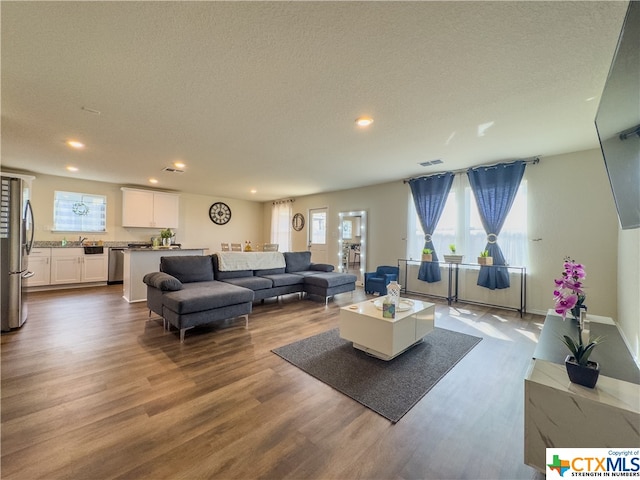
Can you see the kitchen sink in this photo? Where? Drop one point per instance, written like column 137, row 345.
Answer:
column 93, row 250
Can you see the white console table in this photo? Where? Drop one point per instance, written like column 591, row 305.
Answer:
column 560, row 414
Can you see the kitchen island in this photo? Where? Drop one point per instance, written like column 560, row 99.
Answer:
column 140, row 261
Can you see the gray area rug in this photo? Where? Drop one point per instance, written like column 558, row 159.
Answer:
column 389, row 388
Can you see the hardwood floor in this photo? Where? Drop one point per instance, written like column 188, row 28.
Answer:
column 91, row 389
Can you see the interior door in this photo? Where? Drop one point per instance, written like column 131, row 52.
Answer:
column 318, row 235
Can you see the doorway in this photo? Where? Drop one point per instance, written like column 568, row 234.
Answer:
column 318, row 235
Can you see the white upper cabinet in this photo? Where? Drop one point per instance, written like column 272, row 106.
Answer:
column 166, row 207
column 149, row 209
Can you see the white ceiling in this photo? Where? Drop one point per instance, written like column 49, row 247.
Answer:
column 264, row 95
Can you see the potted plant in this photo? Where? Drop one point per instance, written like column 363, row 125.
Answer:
column 569, row 296
column 579, row 368
column 453, row 258
column 484, row 258
column 166, row 235
column 427, row 254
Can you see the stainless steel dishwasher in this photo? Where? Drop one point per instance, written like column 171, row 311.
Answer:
column 116, row 264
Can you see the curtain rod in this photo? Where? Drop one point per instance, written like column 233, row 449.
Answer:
column 532, row 160
column 285, row 200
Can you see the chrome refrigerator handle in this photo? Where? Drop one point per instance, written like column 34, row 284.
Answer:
column 29, row 213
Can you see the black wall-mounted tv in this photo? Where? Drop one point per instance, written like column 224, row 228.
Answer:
column 618, row 121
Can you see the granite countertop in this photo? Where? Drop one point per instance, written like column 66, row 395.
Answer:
column 71, row 244
column 57, row 244
column 163, row 249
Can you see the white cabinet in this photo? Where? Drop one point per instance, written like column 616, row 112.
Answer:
column 149, row 209
column 95, row 268
column 40, row 265
column 72, row 265
column 66, row 265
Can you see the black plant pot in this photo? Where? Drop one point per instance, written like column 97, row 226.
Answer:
column 586, row 376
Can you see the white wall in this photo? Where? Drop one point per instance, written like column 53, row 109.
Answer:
column 628, row 288
column 572, row 211
column 195, row 230
column 386, row 207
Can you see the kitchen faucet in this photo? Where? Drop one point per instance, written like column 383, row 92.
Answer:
column 81, row 239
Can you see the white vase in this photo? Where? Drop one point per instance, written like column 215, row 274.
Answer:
column 166, row 242
column 393, row 292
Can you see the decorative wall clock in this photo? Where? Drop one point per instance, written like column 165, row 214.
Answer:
column 298, row 222
column 220, row 213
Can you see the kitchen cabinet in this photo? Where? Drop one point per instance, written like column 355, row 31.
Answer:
column 72, row 265
column 40, row 265
column 149, row 209
column 95, row 268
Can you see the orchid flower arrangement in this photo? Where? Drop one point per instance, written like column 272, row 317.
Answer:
column 569, row 295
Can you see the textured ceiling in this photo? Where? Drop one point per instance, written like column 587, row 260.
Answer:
column 264, row 95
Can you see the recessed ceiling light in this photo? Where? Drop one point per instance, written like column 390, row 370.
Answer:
column 253, row 190
column 364, row 121
column 153, row 180
column 179, row 164
column 72, row 168
column 75, row 144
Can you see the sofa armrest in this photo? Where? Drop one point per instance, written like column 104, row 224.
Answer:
column 162, row 281
column 321, row 267
column 390, row 277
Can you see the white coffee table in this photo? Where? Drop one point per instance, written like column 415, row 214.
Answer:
column 386, row 338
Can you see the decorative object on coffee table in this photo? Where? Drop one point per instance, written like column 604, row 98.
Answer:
column 393, row 292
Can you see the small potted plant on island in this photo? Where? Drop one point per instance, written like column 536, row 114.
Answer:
column 427, row 255
column 569, row 296
column 484, row 258
column 166, row 235
column 453, row 258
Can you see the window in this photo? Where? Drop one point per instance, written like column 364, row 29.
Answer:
column 347, row 229
column 319, row 227
column 79, row 212
column 281, row 225
column 460, row 224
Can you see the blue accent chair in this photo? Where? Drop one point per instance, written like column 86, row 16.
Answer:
column 377, row 281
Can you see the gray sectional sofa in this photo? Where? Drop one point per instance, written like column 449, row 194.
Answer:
column 194, row 290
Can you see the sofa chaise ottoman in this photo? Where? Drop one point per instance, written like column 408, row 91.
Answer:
column 185, row 294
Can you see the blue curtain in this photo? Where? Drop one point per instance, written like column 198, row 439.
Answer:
column 495, row 189
column 430, row 195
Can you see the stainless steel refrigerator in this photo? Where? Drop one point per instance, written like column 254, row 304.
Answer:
column 16, row 240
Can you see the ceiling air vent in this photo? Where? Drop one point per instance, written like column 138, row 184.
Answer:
column 431, row 162
column 172, row 170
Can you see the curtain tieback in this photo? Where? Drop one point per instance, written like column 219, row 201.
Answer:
column 427, row 237
column 492, row 238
